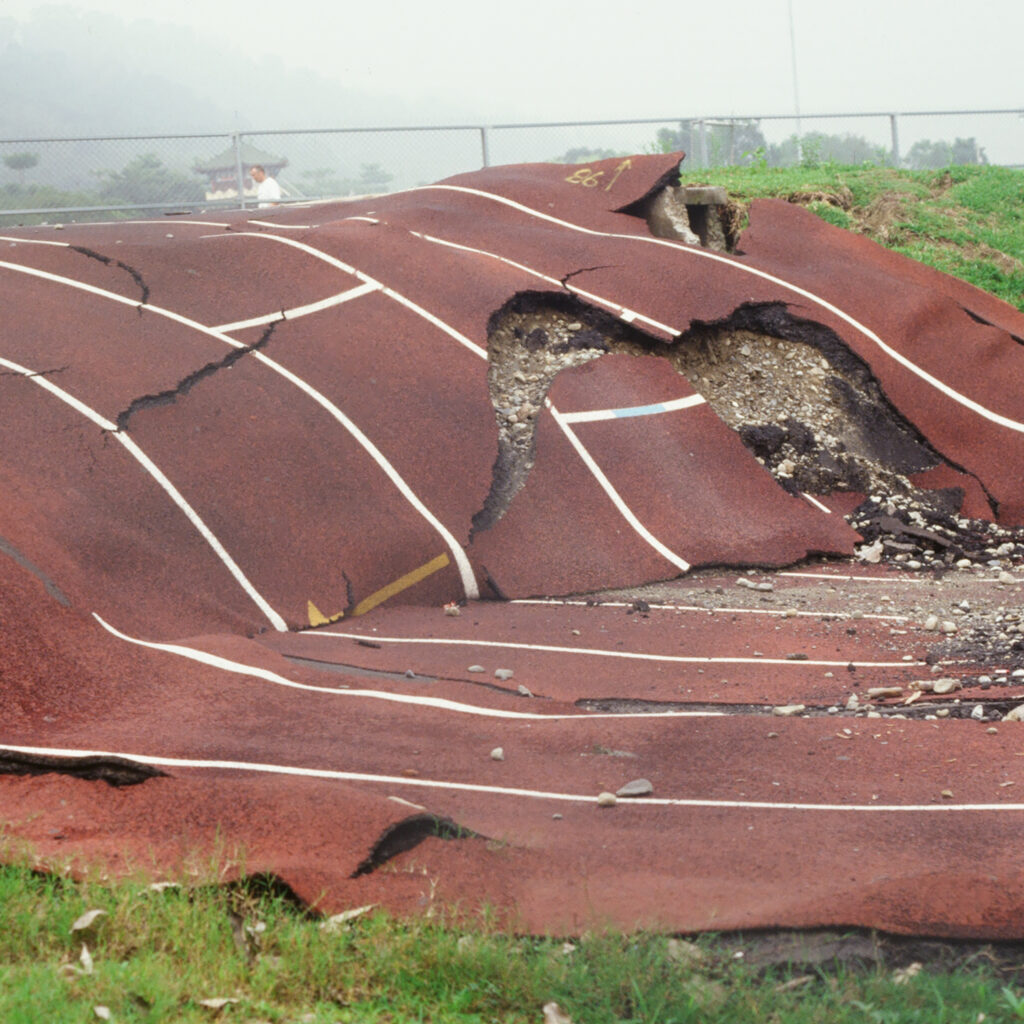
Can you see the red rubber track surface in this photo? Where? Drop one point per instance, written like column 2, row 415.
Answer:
column 188, row 480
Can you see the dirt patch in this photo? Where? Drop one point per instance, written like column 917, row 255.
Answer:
column 981, row 253
column 883, row 219
column 858, row 950
column 842, row 198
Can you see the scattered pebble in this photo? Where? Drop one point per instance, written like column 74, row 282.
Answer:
column 554, row 1014
column 475, row 668
column 787, row 710
column 607, row 799
column 945, row 685
column 680, row 951
column 871, row 552
column 885, row 691
column 498, row 754
column 503, row 673
column 751, row 585
column 638, row 787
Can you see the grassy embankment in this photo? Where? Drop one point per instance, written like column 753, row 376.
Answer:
column 156, row 955
column 966, row 221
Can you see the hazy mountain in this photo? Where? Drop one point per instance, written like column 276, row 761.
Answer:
column 70, row 73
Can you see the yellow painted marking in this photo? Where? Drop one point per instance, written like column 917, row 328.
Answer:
column 586, row 177
column 624, row 166
column 317, row 617
column 402, row 583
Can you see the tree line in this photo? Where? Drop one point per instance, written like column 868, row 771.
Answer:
column 743, row 144
column 146, row 179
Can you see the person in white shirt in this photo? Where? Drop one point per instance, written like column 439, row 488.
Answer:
column 268, row 192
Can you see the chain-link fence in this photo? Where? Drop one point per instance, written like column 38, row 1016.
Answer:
column 49, row 180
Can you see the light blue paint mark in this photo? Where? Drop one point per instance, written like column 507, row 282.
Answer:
column 639, row 410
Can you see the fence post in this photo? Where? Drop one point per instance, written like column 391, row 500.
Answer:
column 484, row 145
column 236, row 141
column 894, row 128
column 703, row 143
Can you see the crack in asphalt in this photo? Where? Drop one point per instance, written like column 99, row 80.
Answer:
column 186, row 384
column 115, row 771
column 110, row 261
column 34, row 373
column 583, row 270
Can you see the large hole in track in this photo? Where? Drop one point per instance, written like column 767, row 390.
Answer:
column 808, row 409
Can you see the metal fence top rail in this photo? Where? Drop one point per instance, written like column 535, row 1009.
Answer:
column 480, row 126
column 127, row 138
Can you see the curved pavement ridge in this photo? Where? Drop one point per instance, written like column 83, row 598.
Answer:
column 241, row 462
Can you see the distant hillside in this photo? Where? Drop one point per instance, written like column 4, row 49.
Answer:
column 68, row 73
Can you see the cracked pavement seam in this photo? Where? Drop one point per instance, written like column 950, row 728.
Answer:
column 187, row 383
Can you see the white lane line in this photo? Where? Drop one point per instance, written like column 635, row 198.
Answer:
column 154, row 471
column 616, row 499
column 817, row 504
column 438, row 703
column 939, row 385
column 826, row 577
column 160, row 761
column 628, row 412
column 462, row 562
column 609, row 304
column 33, row 241
column 299, row 311
column 884, row 579
column 674, row 659
column 349, row 269
column 588, row 460
column 170, row 222
column 704, row 610
column 282, row 227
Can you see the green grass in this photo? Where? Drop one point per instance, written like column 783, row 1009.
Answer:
column 157, row 954
column 966, row 221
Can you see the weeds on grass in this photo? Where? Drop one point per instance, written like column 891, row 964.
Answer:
column 169, row 954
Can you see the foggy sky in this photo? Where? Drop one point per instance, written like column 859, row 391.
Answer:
column 548, row 60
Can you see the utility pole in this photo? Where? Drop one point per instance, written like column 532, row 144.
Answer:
column 796, row 86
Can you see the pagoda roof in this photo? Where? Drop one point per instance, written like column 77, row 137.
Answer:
column 250, row 155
